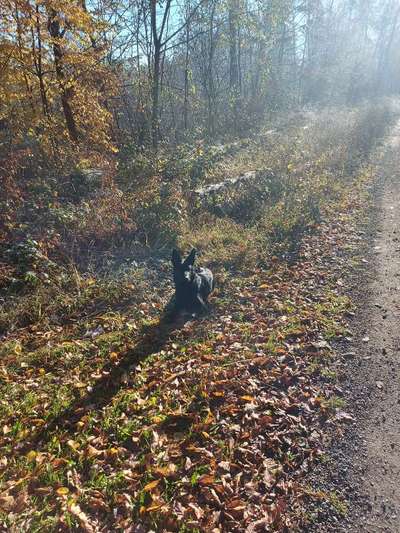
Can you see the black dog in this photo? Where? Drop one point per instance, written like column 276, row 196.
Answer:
column 192, row 287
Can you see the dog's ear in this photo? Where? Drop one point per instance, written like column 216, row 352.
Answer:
column 189, row 261
column 176, row 258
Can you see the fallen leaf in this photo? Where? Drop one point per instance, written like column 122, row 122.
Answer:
column 62, row 491
column 31, row 456
column 206, row 479
column 197, row 510
column 342, row 415
column 247, row 398
column 76, row 511
column 154, row 507
column 7, row 503
column 152, row 485
column 165, row 471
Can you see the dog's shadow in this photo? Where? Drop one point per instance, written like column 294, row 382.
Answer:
column 152, row 338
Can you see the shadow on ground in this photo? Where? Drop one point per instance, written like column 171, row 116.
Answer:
column 152, row 338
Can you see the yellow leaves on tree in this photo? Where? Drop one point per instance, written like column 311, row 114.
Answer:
column 54, row 81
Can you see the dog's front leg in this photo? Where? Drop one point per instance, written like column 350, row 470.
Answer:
column 200, row 304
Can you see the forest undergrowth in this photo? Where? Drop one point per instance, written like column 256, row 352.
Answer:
column 112, row 418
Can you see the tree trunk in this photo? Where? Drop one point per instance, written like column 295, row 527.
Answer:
column 20, row 52
column 155, row 89
column 37, row 60
column 386, row 46
column 66, row 93
column 210, row 84
column 155, row 96
column 233, row 60
column 186, row 101
column 233, row 49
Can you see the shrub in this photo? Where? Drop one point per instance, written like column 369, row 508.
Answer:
column 223, row 243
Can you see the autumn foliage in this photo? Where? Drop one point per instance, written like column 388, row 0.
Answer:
column 131, row 127
column 55, row 85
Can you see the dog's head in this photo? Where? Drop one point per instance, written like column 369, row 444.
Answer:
column 184, row 272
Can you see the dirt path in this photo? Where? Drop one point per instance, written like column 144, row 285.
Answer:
column 379, row 342
column 365, row 470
